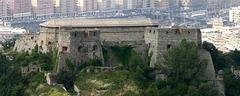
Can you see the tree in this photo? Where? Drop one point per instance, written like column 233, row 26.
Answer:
column 182, row 62
column 232, row 84
column 66, row 78
column 235, row 56
column 219, row 59
column 8, row 44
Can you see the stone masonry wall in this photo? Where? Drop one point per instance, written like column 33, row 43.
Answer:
column 160, row 40
column 26, row 43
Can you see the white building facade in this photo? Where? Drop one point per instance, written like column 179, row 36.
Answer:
column 234, row 15
column 224, row 39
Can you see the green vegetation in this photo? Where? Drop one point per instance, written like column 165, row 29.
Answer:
column 224, row 61
column 7, row 45
column 132, row 76
column 183, row 68
column 130, row 80
column 116, row 83
column 14, row 83
column 47, row 61
column 46, row 90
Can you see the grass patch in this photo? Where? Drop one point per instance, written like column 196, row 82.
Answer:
column 106, row 83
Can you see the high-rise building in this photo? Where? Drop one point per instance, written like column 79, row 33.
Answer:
column 21, row 8
column 148, row 3
column 99, row 4
column 3, row 8
column 132, row 4
column 43, row 7
column 79, row 5
column 163, row 4
column 56, row 4
column 90, row 5
column 65, row 6
column 234, row 15
column 113, row 4
column 117, row 4
column 106, row 4
column 173, row 4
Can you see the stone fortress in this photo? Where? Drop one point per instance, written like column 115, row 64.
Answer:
column 82, row 39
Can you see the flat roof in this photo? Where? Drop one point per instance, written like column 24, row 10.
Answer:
column 114, row 22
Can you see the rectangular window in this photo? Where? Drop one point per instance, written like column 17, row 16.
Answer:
column 64, row 49
column 169, row 46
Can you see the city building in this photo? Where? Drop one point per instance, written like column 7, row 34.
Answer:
column 113, row 4
column 20, row 8
column 43, row 7
column 148, row 3
column 56, row 4
column 160, row 4
column 185, row 4
column 106, row 4
column 173, row 4
column 133, row 4
column 91, row 5
column 65, row 6
column 224, row 38
column 117, row 4
column 234, row 15
column 79, row 5
column 3, row 8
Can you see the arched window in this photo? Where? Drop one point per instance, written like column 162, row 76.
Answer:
column 41, row 42
column 49, row 43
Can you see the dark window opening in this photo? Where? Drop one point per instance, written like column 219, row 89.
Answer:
column 79, row 48
column 94, row 47
column 169, row 46
column 167, row 32
column 188, row 32
column 42, row 42
column 32, row 37
column 49, row 43
column 94, row 33
column 85, row 34
column 75, row 34
column 150, row 31
column 64, row 49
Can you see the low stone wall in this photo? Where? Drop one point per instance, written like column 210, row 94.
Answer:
column 94, row 69
column 27, row 42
